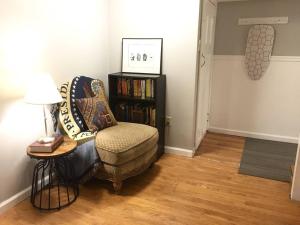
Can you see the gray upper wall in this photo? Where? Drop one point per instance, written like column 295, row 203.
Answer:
column 231, row 39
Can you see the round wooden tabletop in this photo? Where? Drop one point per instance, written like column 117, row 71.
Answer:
column 65, row 148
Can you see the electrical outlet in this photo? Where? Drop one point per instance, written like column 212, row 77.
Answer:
column 168, row 120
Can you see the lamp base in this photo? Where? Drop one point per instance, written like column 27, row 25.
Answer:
column 46, row 140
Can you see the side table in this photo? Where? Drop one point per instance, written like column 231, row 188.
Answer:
column 53, row 184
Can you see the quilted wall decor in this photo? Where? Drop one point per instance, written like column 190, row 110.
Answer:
column 259, row 49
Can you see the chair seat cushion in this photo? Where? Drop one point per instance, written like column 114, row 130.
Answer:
column 124, row 142
column 129, row 169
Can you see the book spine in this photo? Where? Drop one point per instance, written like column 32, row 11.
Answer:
column 124, row 87
column 150, row 116
column 40, row 149
column 139, row 94
column 152, row 88
column 126, row 91
column 147, row 115
column 148, row 88
column 119, row 86
column 128, row 87
column 135, row 87
column 153, row 119
column 143, row 84
column 131, row 88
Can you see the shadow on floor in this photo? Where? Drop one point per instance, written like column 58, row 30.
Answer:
column 95, row 188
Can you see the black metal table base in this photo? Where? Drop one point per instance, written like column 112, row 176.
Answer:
column 53, row 184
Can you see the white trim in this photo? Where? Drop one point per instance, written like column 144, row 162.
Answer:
column 263, row 20
column 273, row 58
column 229, row 57
column 264, row 136
column 179, row 151
column 15, row 199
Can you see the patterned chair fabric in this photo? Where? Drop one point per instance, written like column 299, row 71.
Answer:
column 120, row 144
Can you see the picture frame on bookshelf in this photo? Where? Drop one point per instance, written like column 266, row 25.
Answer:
column 142, row 55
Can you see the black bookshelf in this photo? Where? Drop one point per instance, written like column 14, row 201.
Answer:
column 130, row 99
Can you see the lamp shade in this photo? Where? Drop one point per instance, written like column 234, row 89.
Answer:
column 42, row 91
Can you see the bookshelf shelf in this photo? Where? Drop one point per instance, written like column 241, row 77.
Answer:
column 139, row 98
column 133, row 99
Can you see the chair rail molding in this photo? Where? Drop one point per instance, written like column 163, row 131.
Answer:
column 273, row 58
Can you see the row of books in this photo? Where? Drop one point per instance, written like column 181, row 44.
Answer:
column 135, row 88
column 136, row 113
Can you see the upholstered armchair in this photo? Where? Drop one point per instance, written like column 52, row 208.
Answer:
column 125, row 149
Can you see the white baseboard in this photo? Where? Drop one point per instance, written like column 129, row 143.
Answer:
column 179, row 151
column 20, row 196
column 15, row 199
column 254, row 135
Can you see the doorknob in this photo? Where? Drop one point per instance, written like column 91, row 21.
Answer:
column 203, row 60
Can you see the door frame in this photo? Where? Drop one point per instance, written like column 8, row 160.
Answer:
column 215, row 3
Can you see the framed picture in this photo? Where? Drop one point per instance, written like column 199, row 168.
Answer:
column 142, row 55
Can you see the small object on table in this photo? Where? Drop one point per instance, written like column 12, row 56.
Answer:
column 38, row 146
column 53, row 184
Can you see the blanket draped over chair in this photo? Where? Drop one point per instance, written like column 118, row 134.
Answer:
column 85, row 157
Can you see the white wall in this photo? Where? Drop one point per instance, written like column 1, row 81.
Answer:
column 176, row 21
column 266, row 108
column 62, row 37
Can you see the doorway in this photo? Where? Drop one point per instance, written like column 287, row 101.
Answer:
column 207, row 37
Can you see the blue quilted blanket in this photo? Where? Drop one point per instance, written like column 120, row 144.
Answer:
column 84, row 160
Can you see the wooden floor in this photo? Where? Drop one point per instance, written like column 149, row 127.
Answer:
column 206, row 189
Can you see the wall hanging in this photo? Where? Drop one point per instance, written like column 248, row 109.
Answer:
column 142, row 55
column 259, row 49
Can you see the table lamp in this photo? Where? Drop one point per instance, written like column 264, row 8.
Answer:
column 43, row 91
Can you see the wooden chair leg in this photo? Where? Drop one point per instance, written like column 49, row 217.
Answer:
column 117, row 186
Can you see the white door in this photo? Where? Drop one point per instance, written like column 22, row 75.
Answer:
column 208, row 22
